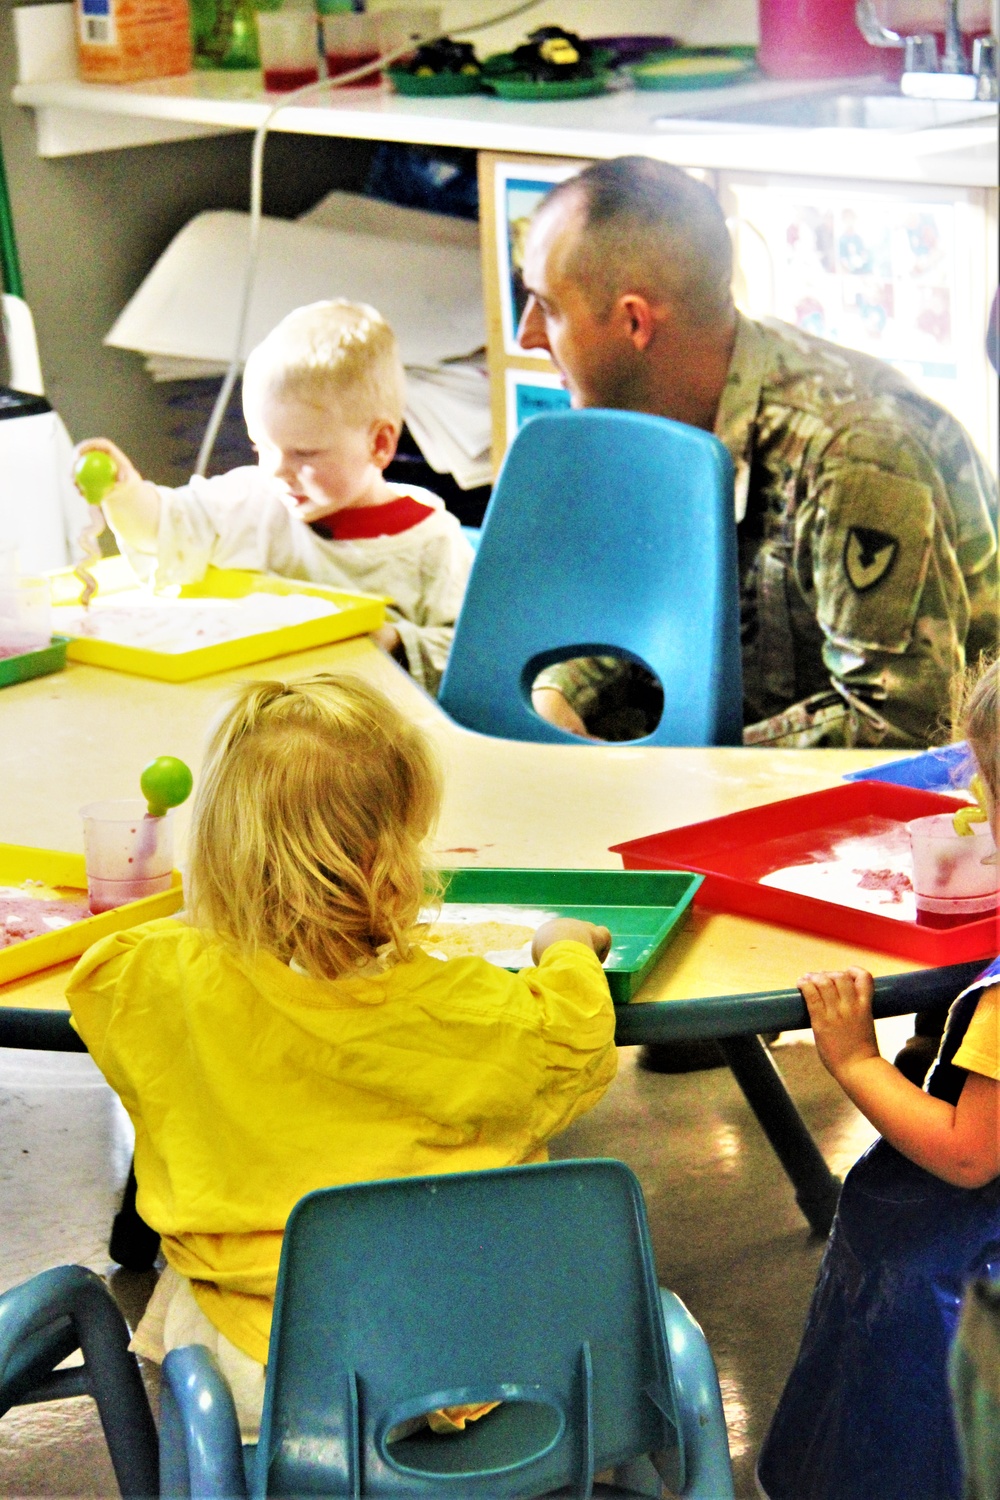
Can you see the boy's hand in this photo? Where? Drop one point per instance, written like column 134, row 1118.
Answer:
column 127, row 472
column 840, row 1009
column 569, row 929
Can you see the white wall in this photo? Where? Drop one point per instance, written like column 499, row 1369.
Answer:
column 692, row 21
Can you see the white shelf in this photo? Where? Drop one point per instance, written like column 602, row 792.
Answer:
column 75, row 117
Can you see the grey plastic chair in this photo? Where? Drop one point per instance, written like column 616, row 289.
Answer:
column 533, row 1286
column 48, row 1318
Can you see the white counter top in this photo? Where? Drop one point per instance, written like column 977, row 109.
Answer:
column 76, row 116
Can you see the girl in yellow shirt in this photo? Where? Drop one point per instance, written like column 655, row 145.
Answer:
column 866, row 1410
column 291, row 1034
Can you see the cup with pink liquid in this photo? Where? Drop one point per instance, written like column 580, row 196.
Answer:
column 25, row 615
column 954, row 875
column 289, row 48
column 128, row 854
column 128, row 843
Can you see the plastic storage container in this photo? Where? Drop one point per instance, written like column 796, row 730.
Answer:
column 123, row 41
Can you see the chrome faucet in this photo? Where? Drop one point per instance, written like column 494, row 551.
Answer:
column 924, row 76
column 953, row 60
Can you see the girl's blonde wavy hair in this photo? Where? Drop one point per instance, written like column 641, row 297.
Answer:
column 979, row 720
column 314, row 803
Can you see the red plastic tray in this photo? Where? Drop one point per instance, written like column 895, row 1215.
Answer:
column 734, row 852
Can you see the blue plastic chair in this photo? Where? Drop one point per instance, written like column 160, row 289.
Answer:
column 48, row 1318
column 533, row 1286
column 608, row 533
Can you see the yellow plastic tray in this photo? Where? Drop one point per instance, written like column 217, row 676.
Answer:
column 358, row 615
column 66, row 873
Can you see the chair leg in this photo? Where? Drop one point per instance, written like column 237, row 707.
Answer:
column 200, row 1450
column 55, row 1313
column 708, row 1471
column 133, row 1244
column 117, row 1388
column 816, row 1189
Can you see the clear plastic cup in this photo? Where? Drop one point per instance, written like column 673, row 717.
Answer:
column 127, row 853
column 289, row 49
column 950, row 881
column 25, row 615
column 350, row 40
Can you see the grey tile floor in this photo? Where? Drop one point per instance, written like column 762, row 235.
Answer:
column 728, row 1236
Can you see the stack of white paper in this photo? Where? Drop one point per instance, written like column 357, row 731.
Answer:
column 421, row 270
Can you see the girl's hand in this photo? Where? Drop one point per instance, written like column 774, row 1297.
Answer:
column 563, row 929
column 840, row 1009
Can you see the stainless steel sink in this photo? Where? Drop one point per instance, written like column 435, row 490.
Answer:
column 841, row 111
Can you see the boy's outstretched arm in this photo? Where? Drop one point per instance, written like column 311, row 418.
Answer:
column 958, row 1143
column 132, row 508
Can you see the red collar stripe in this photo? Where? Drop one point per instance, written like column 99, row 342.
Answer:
column 361, row 521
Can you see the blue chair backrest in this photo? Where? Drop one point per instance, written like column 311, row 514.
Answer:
column 609, row 533
column 533, row 1286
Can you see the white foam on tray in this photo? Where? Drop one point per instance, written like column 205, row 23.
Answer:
column 835, row 875
column 172, row 626
column 474, row 911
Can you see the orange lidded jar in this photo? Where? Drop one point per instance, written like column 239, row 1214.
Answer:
column 123, row 41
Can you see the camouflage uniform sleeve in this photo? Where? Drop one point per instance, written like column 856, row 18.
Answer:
column 898, row 568
column 583, row 681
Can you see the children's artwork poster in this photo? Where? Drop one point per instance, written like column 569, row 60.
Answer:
column 530, row 394
column 519, row 189
column 875, row 271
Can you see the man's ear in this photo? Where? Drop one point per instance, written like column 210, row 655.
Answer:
column 383, row 437
column 637, row 318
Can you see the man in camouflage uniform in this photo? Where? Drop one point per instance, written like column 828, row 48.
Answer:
column 866, row 519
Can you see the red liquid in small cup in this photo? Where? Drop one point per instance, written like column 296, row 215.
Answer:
column 946, row 919
column 283, row 80
column 344, row 62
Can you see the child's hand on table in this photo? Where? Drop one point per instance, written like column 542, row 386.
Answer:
column 569, row 929
column 840, row 1010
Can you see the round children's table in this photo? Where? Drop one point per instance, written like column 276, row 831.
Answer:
column 84, row 734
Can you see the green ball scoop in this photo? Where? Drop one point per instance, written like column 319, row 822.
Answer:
column 166, row 782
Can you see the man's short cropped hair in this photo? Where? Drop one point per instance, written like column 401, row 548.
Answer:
column 649, row 228
column 339, row 354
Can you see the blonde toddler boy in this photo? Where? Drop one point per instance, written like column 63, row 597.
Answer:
column 323, row 401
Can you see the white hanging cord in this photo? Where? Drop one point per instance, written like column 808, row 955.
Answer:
column 257, row 195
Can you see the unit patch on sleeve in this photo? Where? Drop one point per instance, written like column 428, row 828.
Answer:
column 868, row 557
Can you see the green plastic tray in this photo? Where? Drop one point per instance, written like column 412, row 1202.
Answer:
column 641, row 908
column 526, row 89
column 434, row 85
column 51, row 658
column 645, row 74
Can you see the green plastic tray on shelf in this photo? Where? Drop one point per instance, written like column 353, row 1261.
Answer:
column 694, row 68
column 433, row 85
column 51, row 658
column 642, row 909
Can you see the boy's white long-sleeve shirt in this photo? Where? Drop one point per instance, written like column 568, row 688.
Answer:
column 239, row 520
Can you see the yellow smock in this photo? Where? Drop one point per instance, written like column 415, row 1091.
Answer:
column 250, row 1084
